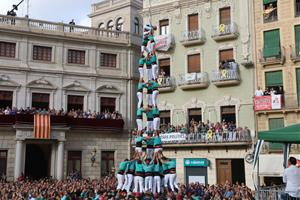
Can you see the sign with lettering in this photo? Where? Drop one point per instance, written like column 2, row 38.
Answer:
column 163, row 42
column 267, row 102
column 172, row 137
column 196, row 162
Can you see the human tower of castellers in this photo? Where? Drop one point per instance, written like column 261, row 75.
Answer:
column 150, row 171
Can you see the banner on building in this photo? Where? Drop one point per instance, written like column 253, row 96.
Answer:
column 267, row 102
column 171, row 137
column 163, row 42
column 42, row 126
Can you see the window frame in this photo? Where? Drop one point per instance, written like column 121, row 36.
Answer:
column 4, row 159
column 74, row 159
column 136, row 26
column 164, row 27
column 108, row 98
column 275, row 17
column 230, row 17
column 188, row 22
column 188, row 63
column 9, row 49
column 108, row 63
column 110, row 25
column 297, row 5
column 101, row 26
column 75, row 96
column 73, row 59
column 107, row 159
column 45, row 56
column 164, row 66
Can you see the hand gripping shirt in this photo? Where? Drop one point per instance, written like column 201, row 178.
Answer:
column 153, row 59
column 155, row 85
column 149, row 115
column 148, row 63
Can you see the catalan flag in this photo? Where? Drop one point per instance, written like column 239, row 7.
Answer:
column 42, row 126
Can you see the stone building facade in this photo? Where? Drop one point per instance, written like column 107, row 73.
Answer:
column 61, row 66
column 201, row 35
column 277, row 23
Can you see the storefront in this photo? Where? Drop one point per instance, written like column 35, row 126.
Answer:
column 196, row 170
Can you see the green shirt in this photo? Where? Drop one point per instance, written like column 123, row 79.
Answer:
column 155, row 111
column 164, row 166
column 139, row 112
column 151, row 37
column 155, row 85
column 123, row 166
column 153, row 58
column 142, row 61
column 171, row 164
column 149, row 115
column 150, row 142
column 148, row 168
column 139, row 167
column 148, row 63
column 157, row 141
column 141, row 86
column 157, row 168
column 131, row 165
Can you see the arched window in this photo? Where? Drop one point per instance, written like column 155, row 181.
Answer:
column 110, row 25
column 136, row 26
column 119, row 25
column 101, row 26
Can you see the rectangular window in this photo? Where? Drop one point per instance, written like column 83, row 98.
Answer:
column 297, row 40
column 40, row 100
column 225, row 17
column 270, row 11
column 298, row 85
column 108, row 60
column 3, row 162
column 194, row 63
column 225, row 55
column 274, row 80
column 195, row 114
column 6, row 98
column 8, row 49
column 193, row 24
column 107, row 162
column 74, row 162
column 275, row 123
column 108, row 104
column 297, row 8
column 165, row 118
column 76, row 57
column 75, row 102
column 271, row 44
column 164, row 67
column 164, row 27
column 42, row 53
column 228, row 114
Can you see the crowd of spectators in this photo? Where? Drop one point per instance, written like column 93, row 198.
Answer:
column 72, row 113
column 210, row 132
column 104, row 189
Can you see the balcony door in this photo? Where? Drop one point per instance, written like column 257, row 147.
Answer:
column 225, row 16
column 228, row 114
column 6, row 98
column 75, row 102
column 225, row 55
column 40, row 100
column 193, row 24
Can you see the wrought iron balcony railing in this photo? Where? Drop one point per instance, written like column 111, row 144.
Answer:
column 193, row 37
column 226, row 77
column 225, row 31
column 193, row 80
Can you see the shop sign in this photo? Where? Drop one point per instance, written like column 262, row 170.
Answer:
column 196, row 162
column 267, row 102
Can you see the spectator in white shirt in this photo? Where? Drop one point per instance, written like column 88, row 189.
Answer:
column 291, row 177
column 259, row 92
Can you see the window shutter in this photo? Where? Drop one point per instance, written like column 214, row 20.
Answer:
column 164, row 62
column 225, row 54
column 274, row 124
column 274, row 79
column 40, row 97
column 298, row 85
column 194, row 63
column 193, row 22
column 75, row 99
column 165, row 114
column 6, row 95
column 106, row 101
column 164, row 22
column 269, row 1
column 193, row 112
column 228, row 110
column 297, row 39
column 271, row 43
column 225, row 17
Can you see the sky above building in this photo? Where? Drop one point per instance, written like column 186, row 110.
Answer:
column 53, row 10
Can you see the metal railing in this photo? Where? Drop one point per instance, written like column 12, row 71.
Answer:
column 225, row 75
column 193, row 78
column 272, row 16
column 225, row 29
column 193, row 35
column 275, row 193
column 278, row 57
column 295, row 52
column 26, row 24
column 166, row 81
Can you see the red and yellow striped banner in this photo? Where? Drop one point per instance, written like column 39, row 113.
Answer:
column 42, row 126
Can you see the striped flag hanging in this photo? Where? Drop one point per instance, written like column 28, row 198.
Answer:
column 42, row 126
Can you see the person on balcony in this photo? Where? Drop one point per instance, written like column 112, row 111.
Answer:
column 259, row 92
column 268, row 11
column 291, row 177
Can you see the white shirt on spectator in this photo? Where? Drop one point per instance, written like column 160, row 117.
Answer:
column 291, row 177
column 259, row 93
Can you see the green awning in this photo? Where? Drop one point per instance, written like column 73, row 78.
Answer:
column 289, row 134
column 269, row 1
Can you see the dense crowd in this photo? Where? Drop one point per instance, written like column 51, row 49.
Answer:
column 72, row 113
column 104, row 188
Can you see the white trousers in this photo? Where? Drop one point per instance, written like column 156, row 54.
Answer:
column 172, row 182
column 141, row 71
column 156, row 184
column 154, row 97
column 156, row 123
column 138, row 184
column 149, row 126
column 148, row 183
column 149, row 74
column 166, row 180
column 140, row 98
column 149, row 99
column 155, row 71
column 129, row 182
column 139, row 123
column 120, row 179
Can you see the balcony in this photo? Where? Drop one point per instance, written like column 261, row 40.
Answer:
column 272, row 57
column 226, row 77
column 193, row 81
column 271, row 16
column 64, row 121
column 190, row 38
column 295, row 53
column 167, row 84
column 21, row 24
column 225, row 32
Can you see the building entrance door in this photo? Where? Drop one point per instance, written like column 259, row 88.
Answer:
column 37, row 160
column 224, row 171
